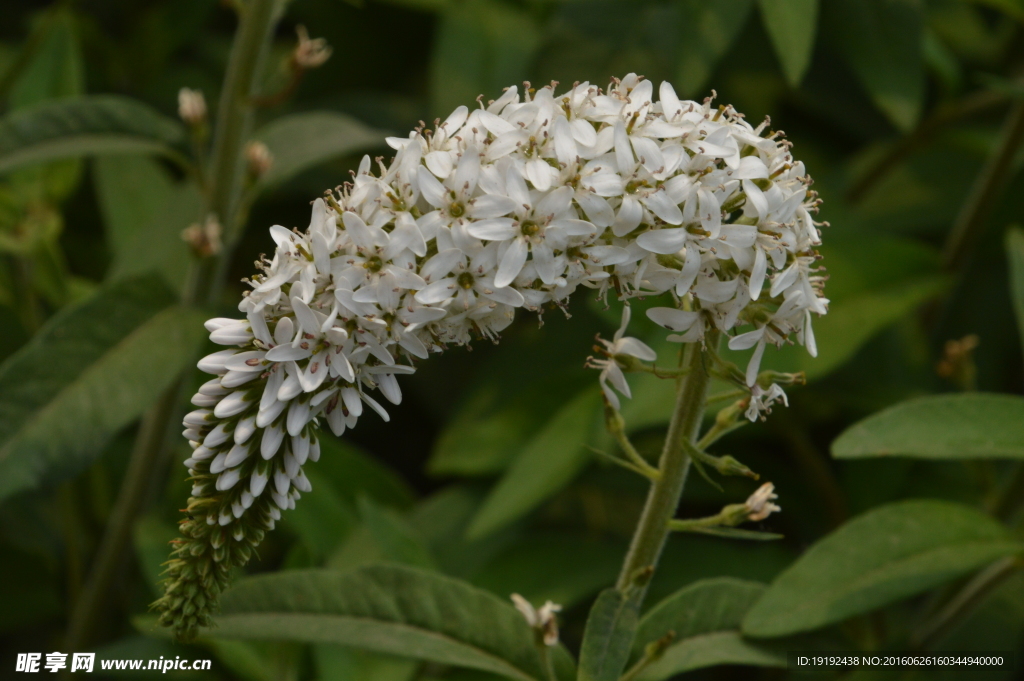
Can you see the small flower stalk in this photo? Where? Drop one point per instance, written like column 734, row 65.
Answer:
column 512, row 206
column 756, row 508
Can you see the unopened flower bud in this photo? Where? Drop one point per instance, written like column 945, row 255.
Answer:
column 191, row 106
column 204, row 240
column 259, row 158
column 310, row 53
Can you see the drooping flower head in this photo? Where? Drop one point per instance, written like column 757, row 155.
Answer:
column 512, row 205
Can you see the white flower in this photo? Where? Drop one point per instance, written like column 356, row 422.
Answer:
column 543, row 620
column 759, row 505
column 761, row 400
column 619, row 347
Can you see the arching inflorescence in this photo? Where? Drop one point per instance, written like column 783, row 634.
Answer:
column 513, row 205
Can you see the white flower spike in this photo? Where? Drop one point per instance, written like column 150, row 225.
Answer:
column 515, row 205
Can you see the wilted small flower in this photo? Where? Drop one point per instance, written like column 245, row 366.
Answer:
column 542, row 621
column 624, row 348
column 259, row 158
column 957, row 363
column 204, row 240
column 759, row 505
column 761, row 400
column 309, row 54
column 191, row 106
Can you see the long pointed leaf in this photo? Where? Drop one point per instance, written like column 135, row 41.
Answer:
column 80, row 126
column 882, row 556
column 90, row 372
column 608, row 637
column 144, row 212
column 792, row 25
column 387, row 609
column 963, row 426
column 548, row 462
column 705, row 617
column 301, row 141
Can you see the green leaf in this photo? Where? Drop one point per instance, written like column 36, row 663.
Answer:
column 145, row 212
column 92, row 370
column 324, row 521
column 962, row 426
column 441, row 521
column 609, row 634
column 338, row 662
column 881, row 40
column 1015, row 252
column 352, row 473
column 383, row 536
column 79, row 126
column 706, row 618
column 706, row 33
column 547, row 463
column 152, row 539
column 496, row 422
column 393, row 534
column 562, row 567
column 791, row 25
column 885, row 555
column 480, row 47
column 300, row 141
column 54, row 71
column 56, row 68
column 387, row 609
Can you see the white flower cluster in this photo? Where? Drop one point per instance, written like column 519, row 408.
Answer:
column 512, row 205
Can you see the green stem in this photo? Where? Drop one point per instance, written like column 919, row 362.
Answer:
column 547, row 662
column 234, row 126
column 898, row 153
column 963, row 603
column 634, row 672
column 235, row 113
column 986, row 190
column 665, row 492
column 616, row 426
column 690, row 524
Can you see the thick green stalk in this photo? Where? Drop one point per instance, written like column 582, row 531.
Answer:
column 235, row 113
column 663, row 498
column 233, row 129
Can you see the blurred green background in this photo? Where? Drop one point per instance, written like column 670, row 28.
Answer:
column 899, row 108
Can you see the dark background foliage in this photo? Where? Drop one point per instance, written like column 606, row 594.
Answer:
column 895, row 108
